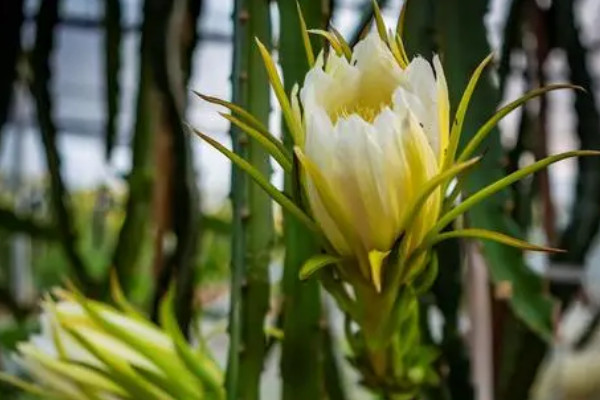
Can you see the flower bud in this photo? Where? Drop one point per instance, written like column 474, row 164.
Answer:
column 88, row 350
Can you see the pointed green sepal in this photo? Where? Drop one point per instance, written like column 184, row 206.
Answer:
column 310, row 55
column 459, row 118
column 274, row 147
column 293, row 124
column 484, row 131
column 284, row 201
column 493, row 236
column 315, row 263
column 500, row 184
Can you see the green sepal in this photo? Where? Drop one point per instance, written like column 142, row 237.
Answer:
column 500, row 184
column 273, row 147
column 284, row 201
column 310, row 55
column 315, row 263
column 491, row 123
column 474, row 233
column 459, row 117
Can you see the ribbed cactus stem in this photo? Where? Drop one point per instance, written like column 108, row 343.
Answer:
column 300, row 369
column 252, row 209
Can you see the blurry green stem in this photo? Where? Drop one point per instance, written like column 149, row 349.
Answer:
column 134, row 230
column 168, row 48
column 47, row 20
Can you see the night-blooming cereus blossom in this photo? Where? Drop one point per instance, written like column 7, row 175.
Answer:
column 89, row 350
column 375, row 133
column 376, row 156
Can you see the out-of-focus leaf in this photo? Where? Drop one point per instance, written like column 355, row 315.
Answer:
column 120, row 372
column 200, row 366
column 134, row 231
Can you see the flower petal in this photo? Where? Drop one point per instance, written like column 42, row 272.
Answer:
column 419, row 94
column 443, row 111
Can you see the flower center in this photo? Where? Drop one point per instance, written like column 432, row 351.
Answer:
column 367, row 112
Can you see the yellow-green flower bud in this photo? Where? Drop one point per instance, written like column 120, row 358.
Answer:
column 89, row 350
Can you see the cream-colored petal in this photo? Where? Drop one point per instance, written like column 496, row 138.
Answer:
column 396, row 172
column 423, row 166
column 331, row 88
column 363, row 183
column 328, row 207
column 419, row 93
column 380, row 74
column 320, row 137
column 332, row 232
column 443, row 104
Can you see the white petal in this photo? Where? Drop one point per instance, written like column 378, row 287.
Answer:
column 443, row 104
column 320, row 140
column 423, row 166
column 326, row 222
column 420, row 95
column 332, row 88
column 380, row 74
column 360, row 177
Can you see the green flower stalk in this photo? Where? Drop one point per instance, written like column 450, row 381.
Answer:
column 89, row 350
column 376, row 154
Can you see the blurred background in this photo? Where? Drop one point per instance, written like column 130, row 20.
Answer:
column 97, row 172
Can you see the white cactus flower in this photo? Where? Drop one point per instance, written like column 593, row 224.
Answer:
column 395, row 121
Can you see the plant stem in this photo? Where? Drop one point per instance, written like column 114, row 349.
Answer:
column 171, row 67
column 301, row 370
column 585, row 216
column 252, row 208
column 134, row 231
column 11, row 19
column 46, row 23
column 112, row 48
